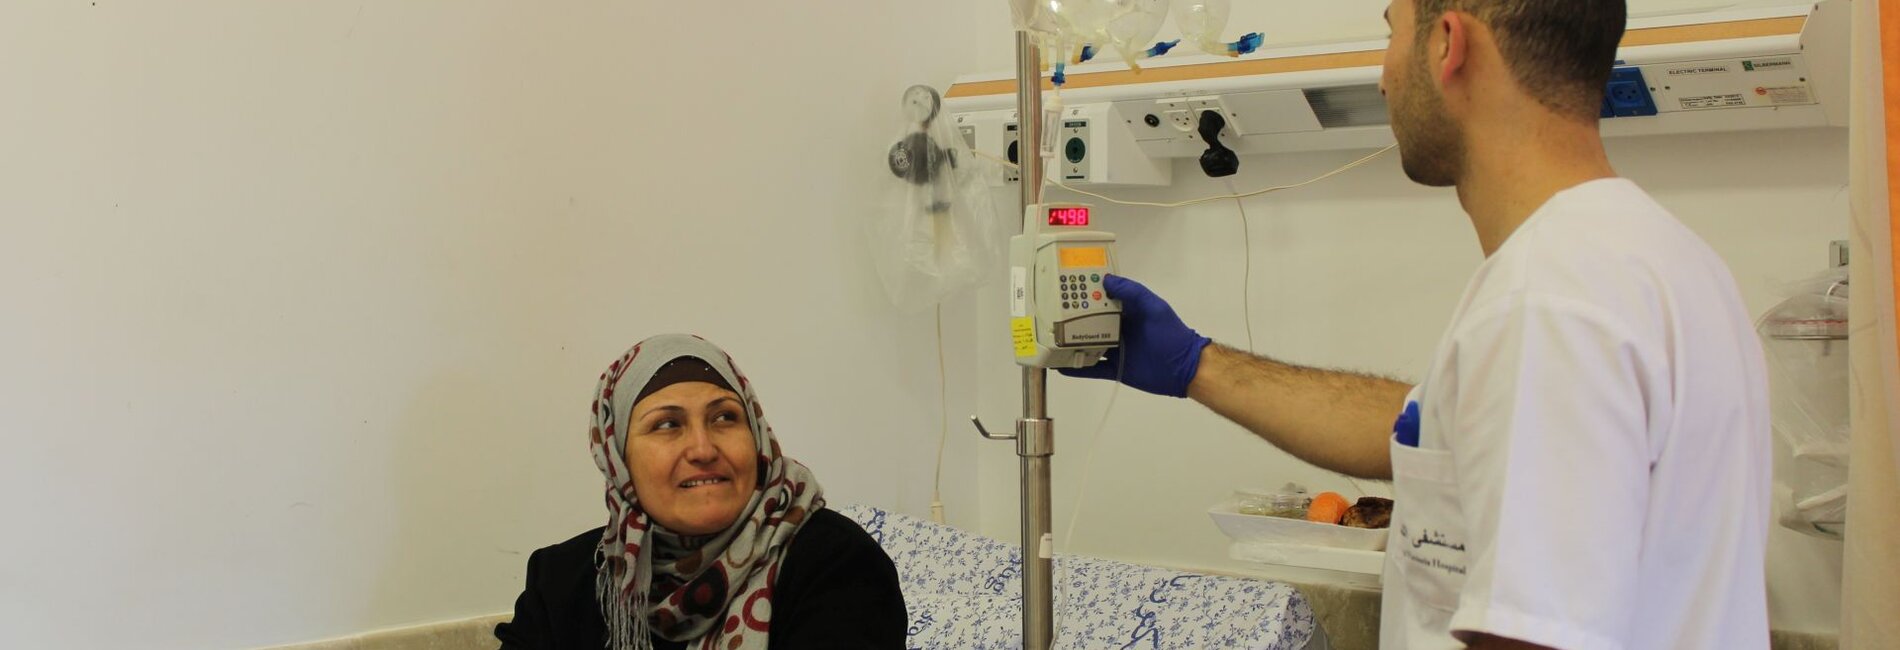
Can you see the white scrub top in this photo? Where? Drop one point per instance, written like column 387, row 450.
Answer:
column 1592, row 468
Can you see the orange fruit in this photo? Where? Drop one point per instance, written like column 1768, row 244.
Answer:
column 1327, row 508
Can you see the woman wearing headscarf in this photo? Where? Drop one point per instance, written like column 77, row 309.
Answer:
column 714, row 539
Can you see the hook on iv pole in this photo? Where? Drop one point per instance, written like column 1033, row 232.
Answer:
column 986, row 432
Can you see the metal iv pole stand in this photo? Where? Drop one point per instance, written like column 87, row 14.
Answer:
column 1035, row 432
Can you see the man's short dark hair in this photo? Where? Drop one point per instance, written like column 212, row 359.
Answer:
column 1560, row 51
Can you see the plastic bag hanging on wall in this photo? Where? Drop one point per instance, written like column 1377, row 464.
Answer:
column 937, row 233
column 1805, row 341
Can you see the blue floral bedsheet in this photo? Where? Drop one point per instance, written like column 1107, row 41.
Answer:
column 964, row 592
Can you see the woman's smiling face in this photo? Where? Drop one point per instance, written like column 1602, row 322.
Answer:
column 692, row 456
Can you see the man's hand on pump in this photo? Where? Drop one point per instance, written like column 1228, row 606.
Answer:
column 1337, row 420
column 1161, row 352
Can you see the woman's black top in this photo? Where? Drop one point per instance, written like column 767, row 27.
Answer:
column 836, row 589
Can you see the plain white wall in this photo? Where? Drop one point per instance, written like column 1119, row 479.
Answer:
column 302, row 303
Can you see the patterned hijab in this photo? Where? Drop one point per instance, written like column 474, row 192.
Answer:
column 714, row 592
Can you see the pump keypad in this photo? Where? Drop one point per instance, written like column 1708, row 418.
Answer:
column 1081, row 291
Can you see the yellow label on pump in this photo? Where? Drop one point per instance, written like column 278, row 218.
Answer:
column 1022, row 331
column 1091, row 257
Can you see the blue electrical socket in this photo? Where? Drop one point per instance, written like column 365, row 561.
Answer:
column 1627, row 95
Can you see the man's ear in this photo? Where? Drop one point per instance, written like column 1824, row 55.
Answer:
column 1455, row 37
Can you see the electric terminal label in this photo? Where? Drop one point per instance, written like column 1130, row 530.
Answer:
column 1714, row 101
column 1758, row 65
column 1698, row 69
column 1786, row 94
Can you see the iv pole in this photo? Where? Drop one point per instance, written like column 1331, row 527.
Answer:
column 1035, row 432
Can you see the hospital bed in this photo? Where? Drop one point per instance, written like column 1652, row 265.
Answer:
column 964, row 592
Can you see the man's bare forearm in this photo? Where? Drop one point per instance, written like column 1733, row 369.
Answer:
column 1337, row 420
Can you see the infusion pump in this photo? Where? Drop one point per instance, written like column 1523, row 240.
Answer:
column 1060, row 316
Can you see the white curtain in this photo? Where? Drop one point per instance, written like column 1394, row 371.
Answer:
column 1870, row 598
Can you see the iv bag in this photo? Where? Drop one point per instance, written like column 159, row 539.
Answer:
column 1202, row 22
column 1066, row 21
column 1033, row 16
column 1064, row 27
column 1805, row 341
column 936, row 233
column 1080, row 20
column 1132, row 25
column 1082, row 24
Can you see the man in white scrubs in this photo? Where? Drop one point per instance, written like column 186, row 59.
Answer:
column 1586, row 463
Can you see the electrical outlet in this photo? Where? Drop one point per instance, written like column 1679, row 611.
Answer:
column 1628, row 94
column 1213, row 103
column 1182, row 119
column 1184, row 113
column 1624, row 93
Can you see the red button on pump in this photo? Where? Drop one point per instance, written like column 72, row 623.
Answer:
column 1097, row 295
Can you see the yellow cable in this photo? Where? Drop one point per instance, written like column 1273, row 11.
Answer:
column 943, row 423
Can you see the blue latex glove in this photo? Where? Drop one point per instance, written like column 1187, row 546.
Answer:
column 1159, row 354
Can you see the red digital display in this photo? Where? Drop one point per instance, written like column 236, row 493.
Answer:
column 1068, row 216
